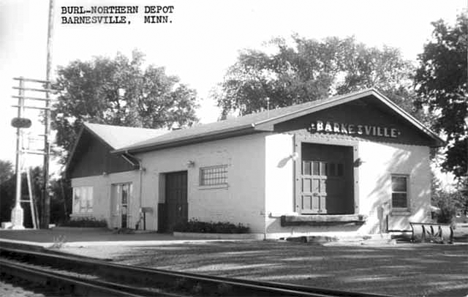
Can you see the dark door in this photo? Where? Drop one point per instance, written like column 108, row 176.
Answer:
column 326, row 180
column 176, row 199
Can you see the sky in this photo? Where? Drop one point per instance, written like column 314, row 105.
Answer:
column 199, row 42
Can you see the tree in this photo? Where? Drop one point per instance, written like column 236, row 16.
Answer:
column 60, row 200
column 6, row 186
column 449, row 202
column 6, row 171
column 118, row 92
column 8, row 194
column 441, row 86
column 310, row 70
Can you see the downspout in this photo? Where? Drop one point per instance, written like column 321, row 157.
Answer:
column 141, row 169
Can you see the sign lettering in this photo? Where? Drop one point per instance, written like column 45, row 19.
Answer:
column 352, row 129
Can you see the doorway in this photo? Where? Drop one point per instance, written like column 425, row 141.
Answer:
column 326, row 180
column 176, row 205
column 120, row 205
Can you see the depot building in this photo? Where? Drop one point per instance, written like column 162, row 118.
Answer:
column 352, row 164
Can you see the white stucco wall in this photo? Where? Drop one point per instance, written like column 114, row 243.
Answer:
column 102, row 195
column 279, row 177
column 261, row 183
column 381, row 160
column 372, row 184
column 241, row 201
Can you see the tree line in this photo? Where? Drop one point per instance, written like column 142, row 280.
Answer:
column 120, row 91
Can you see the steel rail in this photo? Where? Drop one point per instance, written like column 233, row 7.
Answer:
column 73, row 284
column 236, row 287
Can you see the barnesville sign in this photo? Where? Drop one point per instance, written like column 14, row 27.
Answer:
column 352, row 129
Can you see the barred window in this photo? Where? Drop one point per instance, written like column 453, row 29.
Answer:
column 399, row 191
column 213, row 175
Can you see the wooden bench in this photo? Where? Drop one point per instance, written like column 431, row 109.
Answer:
column 432, row 232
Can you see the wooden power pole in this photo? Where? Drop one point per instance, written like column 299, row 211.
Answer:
column 45, row 192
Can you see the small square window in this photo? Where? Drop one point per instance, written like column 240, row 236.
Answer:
column 213, row 175
column 399, row 191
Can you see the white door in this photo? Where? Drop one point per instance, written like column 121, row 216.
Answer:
column 120, row 205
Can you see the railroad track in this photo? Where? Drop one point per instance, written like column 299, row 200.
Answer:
column 91, row 277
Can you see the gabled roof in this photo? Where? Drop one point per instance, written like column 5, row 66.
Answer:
column 265, row 121
column 115, row 137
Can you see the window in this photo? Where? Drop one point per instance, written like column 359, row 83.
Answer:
column 82, row 200
column 213, row 175
column 399, row 191
column 323, row 168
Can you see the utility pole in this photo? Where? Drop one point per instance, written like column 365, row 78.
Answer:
column 45, row 190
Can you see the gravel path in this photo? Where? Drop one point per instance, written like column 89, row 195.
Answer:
column 398, row 270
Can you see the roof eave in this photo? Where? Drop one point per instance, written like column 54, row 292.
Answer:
column 238, row 131
column 438, row 142
column 72, row 152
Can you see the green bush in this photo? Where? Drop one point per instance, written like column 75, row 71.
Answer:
column 85, row 223
column 446, row 213
column 449, row 202
column 210, row 227
column 446, row 202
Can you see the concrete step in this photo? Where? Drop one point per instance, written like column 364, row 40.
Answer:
column 371, row 239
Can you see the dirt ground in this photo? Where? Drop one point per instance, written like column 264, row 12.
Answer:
column 397, row 270
column 403, row 269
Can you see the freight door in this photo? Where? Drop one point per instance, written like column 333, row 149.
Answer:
column 326, row 176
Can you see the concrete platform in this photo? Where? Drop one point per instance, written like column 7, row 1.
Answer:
column 84, row 237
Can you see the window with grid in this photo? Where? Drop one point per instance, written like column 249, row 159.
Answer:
column 213, row 175
column 82, row 200
column 399, row 191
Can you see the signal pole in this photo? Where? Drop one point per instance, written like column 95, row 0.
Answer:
column 20, row 122
column 17, row 214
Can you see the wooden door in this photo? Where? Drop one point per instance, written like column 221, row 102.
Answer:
column 314, row 194
column 176, row 199
column 326, row 176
